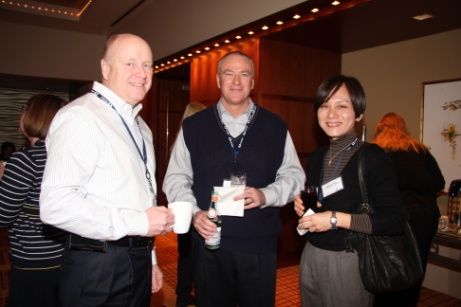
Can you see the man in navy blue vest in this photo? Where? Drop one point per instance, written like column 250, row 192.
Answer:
column 235, row 135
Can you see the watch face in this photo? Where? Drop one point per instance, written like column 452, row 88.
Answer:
column 333, row 220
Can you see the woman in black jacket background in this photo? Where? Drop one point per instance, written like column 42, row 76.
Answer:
column 419, row 180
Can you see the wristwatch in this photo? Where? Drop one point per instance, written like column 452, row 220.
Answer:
column 333, row 220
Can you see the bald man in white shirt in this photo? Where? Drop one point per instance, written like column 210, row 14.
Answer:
column 99, row 185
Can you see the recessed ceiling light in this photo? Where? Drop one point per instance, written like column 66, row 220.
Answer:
column 422, row 17
column 296, row 16
column 314, row 10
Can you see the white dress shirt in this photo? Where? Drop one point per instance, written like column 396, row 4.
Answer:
column 178, row 181
column 95, row 183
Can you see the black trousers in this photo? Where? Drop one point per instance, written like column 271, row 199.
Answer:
column 184, row 284
column 38, row 288
column 122, row 277
column 227, row 278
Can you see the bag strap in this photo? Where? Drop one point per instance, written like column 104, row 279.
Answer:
column 361, row 172
column 364, row 207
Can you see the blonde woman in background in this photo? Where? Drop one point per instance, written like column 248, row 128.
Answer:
column 185, row 283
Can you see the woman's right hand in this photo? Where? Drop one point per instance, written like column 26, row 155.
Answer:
column 299, row 208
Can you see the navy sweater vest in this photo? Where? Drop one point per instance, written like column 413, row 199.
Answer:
column 260, row 156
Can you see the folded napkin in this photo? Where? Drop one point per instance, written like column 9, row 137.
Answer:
column 304, row 231
column 226, row 204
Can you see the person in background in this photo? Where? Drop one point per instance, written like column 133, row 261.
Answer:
column 7, row 150
column 184, row 284
column 419, row 179
column 35, row 249
column 329, row 276
column 235, row 134
column 99, row 185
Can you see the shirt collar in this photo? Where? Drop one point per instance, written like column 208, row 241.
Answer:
column 120, row 105
column 222, row 110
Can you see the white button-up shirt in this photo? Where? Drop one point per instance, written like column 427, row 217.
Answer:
column 95, row 183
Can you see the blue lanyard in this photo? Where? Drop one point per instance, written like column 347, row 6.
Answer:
column 236, row 150
column 320, row 194
column 143, row 155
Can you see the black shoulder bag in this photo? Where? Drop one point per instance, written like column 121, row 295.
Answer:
column 386, row 263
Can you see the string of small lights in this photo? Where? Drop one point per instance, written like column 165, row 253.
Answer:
column 46, row 9
column 280, row 21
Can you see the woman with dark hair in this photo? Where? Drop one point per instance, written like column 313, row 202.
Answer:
column 35, row 248
column 419, row 179
column 329, row 275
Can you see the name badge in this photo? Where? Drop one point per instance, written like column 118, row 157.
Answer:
column 332, row 187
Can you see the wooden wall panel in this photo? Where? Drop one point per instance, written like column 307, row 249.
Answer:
column 290, row 75
column 167, row 101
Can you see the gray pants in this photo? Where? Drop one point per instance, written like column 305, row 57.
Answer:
column 329, row 278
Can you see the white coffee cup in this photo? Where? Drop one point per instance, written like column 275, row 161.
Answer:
column 182, row 211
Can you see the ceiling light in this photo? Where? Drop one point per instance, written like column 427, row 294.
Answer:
column 315, row 10
column 227, row 41
column 296, row 16
column 265, row 28
column 335, row 3
column 46, row 9
column 207, row 48
column 279, row 22
column 422, row 17
column 238, row 37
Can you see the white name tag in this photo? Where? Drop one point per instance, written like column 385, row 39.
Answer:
column 332, row 187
